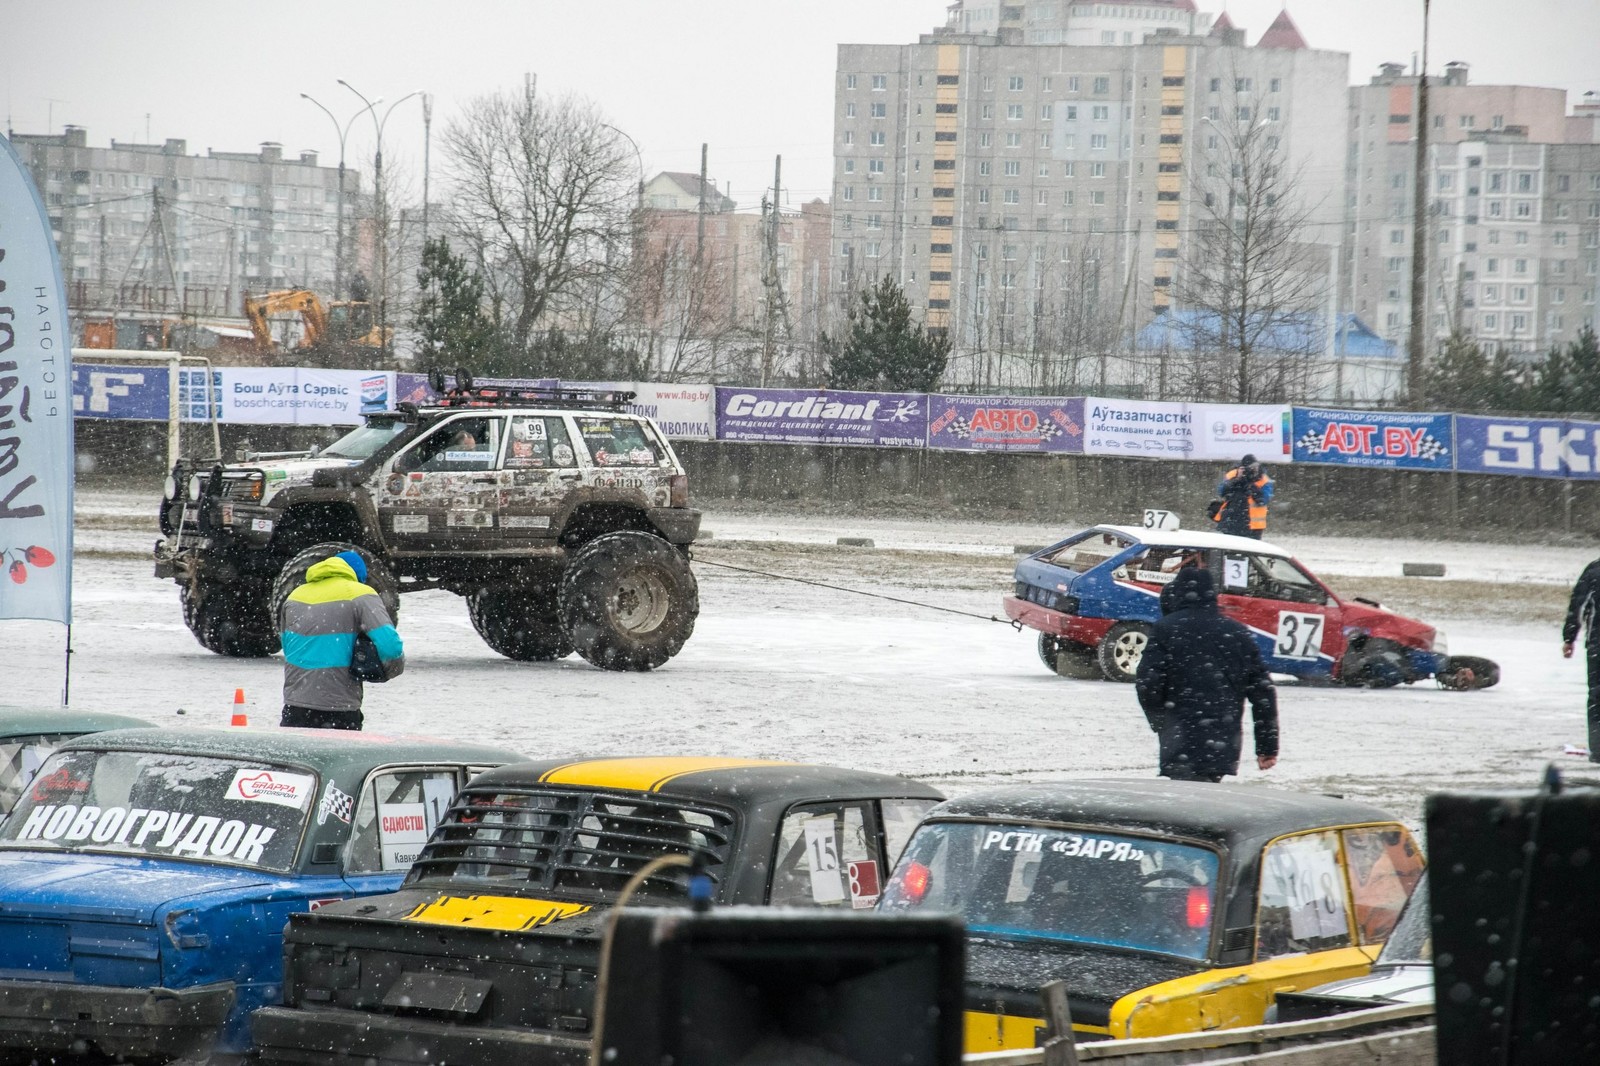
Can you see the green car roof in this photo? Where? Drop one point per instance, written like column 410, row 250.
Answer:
column 334, row 752
column 33, row 721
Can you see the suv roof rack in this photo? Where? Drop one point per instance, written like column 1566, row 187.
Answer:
column 498, row 396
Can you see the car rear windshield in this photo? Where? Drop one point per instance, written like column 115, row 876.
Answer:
column 1088, row 550
column 1017, row 882
column 238, row 812
column 575, row 841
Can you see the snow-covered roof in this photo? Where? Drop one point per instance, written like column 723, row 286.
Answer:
column 1195, row 538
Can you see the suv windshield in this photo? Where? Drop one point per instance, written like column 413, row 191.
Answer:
column 364, row 441
column 164, row 806
column 1016, row 882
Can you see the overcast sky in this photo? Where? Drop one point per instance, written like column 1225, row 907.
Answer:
column 752, row 78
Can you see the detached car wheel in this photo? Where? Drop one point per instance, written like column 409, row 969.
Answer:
column 230, row 619
column 293, row 575
column 628, row 601
column 1068, row 658
column 520, row 622
column 1120, row 650
column 1463, row 673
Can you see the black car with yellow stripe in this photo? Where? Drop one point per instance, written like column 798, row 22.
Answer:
column 1165, row 906
column 489, row 953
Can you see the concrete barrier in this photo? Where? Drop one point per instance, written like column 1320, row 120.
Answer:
column 855, row 542
column 1422, row 569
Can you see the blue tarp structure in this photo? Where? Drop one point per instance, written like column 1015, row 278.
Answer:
column 1190, row 329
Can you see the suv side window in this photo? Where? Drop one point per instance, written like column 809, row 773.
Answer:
column 539, row 442
column 396, row 815
column 817, row 847
column 619, row 441
column 462, row 444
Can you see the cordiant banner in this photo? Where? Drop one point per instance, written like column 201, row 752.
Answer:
column 36, row 444
column 821, row 416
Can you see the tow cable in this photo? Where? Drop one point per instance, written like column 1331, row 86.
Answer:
column 859, row 592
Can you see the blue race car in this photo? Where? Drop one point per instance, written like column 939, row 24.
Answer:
column 146, row 874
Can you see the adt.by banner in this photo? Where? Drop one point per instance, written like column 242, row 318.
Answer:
column 36, row 450
column 1391, row 439
column 1006, row 424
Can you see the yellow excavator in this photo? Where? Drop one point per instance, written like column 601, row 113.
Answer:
column 340, row 323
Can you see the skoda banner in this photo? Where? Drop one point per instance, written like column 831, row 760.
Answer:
column 1532, row 447
column 36, row 449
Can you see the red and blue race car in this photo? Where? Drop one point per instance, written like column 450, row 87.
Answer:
column 1094, row 597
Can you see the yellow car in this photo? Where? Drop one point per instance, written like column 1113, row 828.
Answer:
column 1166, row 906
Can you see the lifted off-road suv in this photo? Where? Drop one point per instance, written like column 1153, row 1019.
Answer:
column 561, row 518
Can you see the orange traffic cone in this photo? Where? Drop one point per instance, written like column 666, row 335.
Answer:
column 239, row 717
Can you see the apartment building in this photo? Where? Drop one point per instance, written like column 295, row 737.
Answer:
column 994, row 176
column 1513, row 211
column 151, row 227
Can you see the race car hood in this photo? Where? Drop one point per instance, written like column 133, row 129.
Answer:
column 1376, row 621
column 466, row 907
column 36, row 884
column 1009, row 974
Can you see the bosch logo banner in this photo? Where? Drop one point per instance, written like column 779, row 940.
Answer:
column 375, row 390
column 1006, row 424
column 1231, row 430
column 1392, row 439
column 1531, row 447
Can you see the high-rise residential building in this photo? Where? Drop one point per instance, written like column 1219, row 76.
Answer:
column 152, row 228
column 1018, row 183
column 1513, row 211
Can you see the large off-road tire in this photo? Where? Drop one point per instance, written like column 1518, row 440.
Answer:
column 230, row 619
column 1120, row 650
column 520, row 622
column 628, row 601
column 293, row 575
column 1463, row 673
column 1068, row 658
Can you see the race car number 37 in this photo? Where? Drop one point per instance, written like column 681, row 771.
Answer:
column 1299, row 635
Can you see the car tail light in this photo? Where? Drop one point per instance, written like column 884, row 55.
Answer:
column 1197, row 908
column 679, row 491
column 915, row 882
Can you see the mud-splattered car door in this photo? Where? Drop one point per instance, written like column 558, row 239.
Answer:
column 444, row 491
column 542, row 466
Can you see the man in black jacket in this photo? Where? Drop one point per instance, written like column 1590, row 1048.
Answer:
column 1581, row 614
column 1194, row 677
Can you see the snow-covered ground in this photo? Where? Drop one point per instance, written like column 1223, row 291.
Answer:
column 793, row 671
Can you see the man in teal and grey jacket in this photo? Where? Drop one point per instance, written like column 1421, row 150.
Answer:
column 319, row 624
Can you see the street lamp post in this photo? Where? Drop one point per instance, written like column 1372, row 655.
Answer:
column 338, row 241
column 380, row 206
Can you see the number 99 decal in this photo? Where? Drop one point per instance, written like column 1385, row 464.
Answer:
column 1299, row 635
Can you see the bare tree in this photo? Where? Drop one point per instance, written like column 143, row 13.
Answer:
column 1251, row 282
column 542, row 193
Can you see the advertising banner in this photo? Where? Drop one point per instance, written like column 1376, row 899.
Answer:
column 1392, row 439
column 101, row 390
column 36, row 444
column 300, row 396
column 1006, row 424
column 684, row 412
column 1231, row 431
column 1532, row 447
column 819, row 416
column 1138, row 428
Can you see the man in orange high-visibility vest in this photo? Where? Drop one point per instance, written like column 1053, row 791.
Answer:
column 1246, row 490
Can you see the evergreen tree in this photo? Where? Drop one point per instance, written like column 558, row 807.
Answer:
column 454, row 331
column 884, row 348
column 1583, row 364
column 1460, row 377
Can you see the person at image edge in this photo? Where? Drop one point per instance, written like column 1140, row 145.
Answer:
column 1580, row 614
